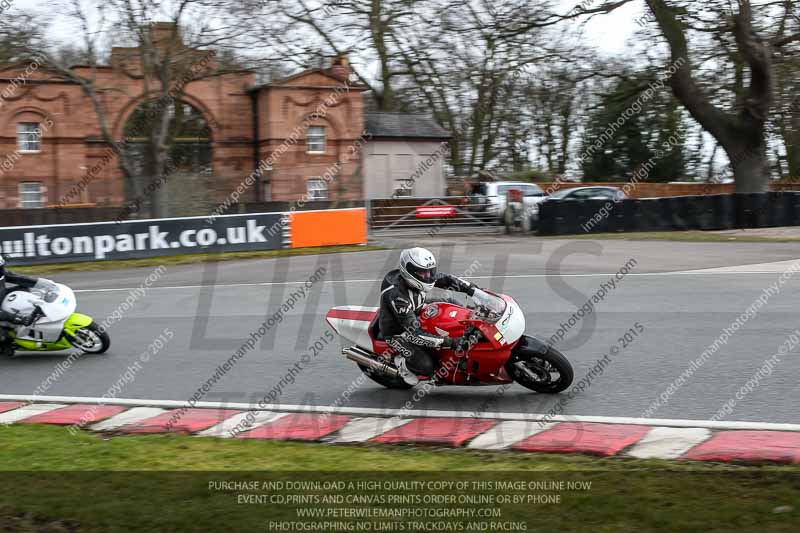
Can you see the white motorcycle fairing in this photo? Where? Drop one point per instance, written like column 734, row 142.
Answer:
column 512, row 323
column 56, row 301
column 352, row 323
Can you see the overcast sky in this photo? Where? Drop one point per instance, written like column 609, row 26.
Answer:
column 609, row 32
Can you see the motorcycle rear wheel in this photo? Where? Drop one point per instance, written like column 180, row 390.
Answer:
column 540, row 366
column 387, row 381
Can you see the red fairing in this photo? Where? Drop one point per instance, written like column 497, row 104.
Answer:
column 449, row 318
column 484, row 364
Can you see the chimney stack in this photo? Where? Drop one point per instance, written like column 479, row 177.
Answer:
column 340, row 67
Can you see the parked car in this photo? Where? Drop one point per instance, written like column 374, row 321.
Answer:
column 613, row 194
column 588, row 193
column 491, row 197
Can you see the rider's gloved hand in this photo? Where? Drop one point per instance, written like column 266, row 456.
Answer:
column 22, row 320
column 458, row 344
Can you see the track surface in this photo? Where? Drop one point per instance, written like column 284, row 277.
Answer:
column 213, row 308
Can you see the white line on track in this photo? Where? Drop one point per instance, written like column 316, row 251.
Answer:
column 371, row 411
column 775, row 267
column 710, row 272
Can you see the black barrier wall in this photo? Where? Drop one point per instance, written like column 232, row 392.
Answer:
column 30, row 245
column 677, row 213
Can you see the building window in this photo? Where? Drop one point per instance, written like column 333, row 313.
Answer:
column 29, row 137
column 315, row 139
column 403, row 188
column 317, row 189
column 31, row 195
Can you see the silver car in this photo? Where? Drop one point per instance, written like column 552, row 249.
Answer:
column 493, row 196
column 614, row 194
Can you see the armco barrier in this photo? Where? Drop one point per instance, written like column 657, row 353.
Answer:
column 99, row 241
column 677, row 213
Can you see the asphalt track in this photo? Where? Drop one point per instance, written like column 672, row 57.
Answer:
column 682, row 305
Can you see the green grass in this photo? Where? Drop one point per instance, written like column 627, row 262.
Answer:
column 93, row 483
column 688, row 236
column 188, row 259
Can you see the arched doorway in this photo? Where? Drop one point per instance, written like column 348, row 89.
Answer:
column 181, row 181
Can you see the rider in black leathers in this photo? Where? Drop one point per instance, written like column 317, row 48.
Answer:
column 402, row 297
column 7, row 277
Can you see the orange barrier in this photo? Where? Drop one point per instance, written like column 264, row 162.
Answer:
column 328, row 228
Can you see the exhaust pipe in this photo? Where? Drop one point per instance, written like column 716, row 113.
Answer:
column 362, row 357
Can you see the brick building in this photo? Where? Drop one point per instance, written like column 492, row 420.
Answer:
column 306, row 133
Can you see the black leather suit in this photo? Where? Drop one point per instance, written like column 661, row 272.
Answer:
column 9, row 278
column 400, row 305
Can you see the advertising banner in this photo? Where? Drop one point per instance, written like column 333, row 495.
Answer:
column 30, row 245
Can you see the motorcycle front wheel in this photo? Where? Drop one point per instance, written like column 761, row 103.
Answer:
column 540, row 368
column 91, row 339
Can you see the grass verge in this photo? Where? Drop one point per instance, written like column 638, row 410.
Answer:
column 93, row 483
column 174, row 260
column 688, row 236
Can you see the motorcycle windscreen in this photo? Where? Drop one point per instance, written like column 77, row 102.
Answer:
column 490, row 307
column 59, row 304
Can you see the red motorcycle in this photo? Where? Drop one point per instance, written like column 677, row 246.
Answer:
column 499, row 352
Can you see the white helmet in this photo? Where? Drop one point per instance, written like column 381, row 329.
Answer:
column 418, row 268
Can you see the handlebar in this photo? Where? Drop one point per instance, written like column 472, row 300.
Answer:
column 37, row 314
column 472, row 334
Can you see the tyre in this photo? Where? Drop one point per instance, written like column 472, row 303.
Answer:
column 544, row 369
column 91, row 339
column 390, row 382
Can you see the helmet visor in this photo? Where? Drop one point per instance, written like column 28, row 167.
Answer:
column 425, row 275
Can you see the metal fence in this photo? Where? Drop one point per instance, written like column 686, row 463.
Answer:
column 431, row 216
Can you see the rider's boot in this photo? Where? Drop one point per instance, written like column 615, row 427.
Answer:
column 408, row 376
column 6, row 345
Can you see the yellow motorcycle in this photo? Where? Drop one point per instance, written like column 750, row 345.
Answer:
column 56, row 325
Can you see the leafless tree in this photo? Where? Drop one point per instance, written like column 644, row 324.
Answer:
column 739, row 127
column 165, row 45
column 468, row 74
column 307, row 31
